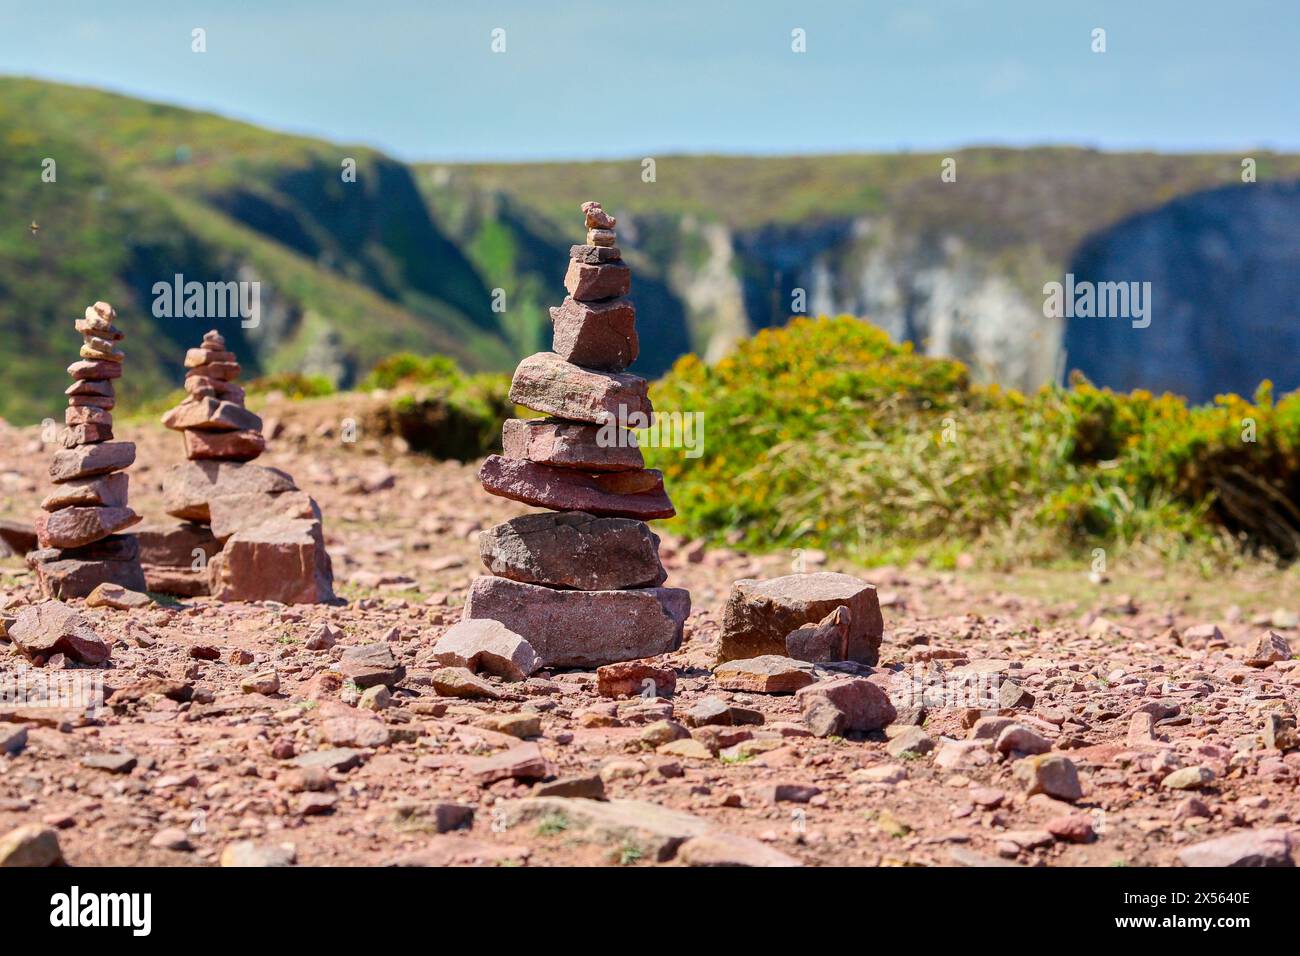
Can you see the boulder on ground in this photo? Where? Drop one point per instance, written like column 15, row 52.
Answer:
column 635, row 679
column 1249, row 848
column 583, row 628
column 282, row 560
column 371, row 665
column 765, row 674
column 1051, row 774
column 63, row 577
column 117, row 597
column 834, row 707
column 53, row 627
column 522, row 762
column 1268, row 648
column 487, row 645
column 660, row 833
column 30, row 845
column 759, row 614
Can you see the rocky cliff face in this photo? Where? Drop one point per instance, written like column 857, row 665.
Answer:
column 1224, row 268
column 932, row 289
column 957, row 268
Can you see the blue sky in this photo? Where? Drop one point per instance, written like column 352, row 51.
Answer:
column 650, row 77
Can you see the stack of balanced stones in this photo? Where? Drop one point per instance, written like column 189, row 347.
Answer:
column 213, row 419
column 78, row 539
column 582, row 584
column 246, row 532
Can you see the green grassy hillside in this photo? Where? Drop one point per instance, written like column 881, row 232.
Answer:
column 407, row 258
column 1001, row 197
column 350, row 272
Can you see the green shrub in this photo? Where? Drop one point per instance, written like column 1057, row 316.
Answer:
column 293, row 385
column 439, row 410
column 406, row 368
column 825, row 433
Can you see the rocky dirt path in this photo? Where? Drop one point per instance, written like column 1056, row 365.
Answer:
column 235, row 733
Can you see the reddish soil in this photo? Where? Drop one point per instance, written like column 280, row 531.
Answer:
column 402, row 533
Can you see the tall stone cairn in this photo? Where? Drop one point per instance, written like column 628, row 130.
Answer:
column 582, row 583
column 245, row 532
column 213, row 419
column 78, row 539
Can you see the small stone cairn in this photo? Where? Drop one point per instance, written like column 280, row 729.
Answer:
column 79, row 543
column 581, row 583
column 247, row 533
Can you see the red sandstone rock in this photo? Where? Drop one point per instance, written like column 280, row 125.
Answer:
column 487, row 645
column 190, row 486
column 245, row 511
column 55, row 628
column 596, row 334
column 590, row 282
column 759, row 614
column 550, row 441
column 79, row 435
column 86, row 415
column 102, row 389
column 76, row 526
column 574, row 550
column 225, row 371
column 832, row 707
column 765, row 674
column 181, row 582
column 87, row 460
column 617, row 494
column 827, row 640
column 594, row 255
column 547, row 383
column 211, row 414
column 635, row 679
column 596, row 217
column 281, row 560
column 194, row 358
column 583, row 628
column 66, row 578
column 98, row 371
column 101, row 490
column 200, row 386
column 175, row 543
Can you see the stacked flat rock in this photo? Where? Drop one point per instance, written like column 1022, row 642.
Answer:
column 245, row 532
column 581, row 584
column 213, row 419
column 78, row 539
